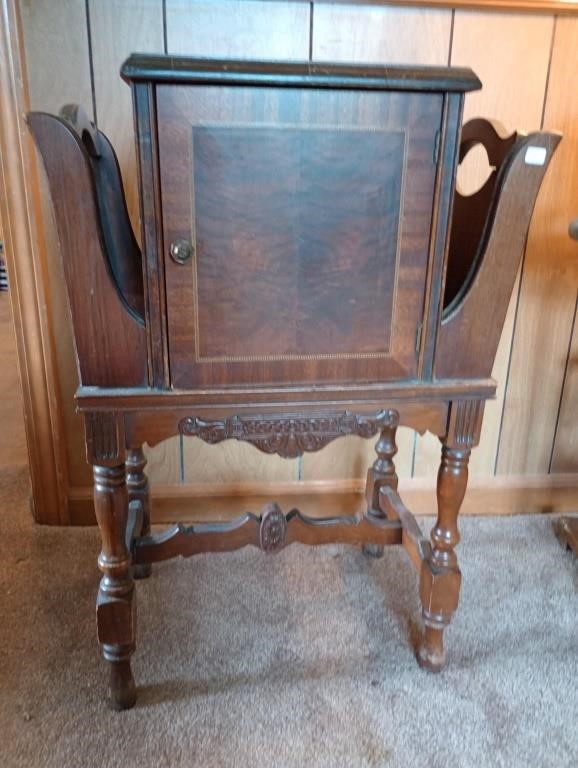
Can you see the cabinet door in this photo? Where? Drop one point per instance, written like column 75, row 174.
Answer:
column 308, row 216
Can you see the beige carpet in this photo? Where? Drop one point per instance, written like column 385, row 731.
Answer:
column 302, row 659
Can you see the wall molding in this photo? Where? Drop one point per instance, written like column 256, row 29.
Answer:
column 521, row 6
column 501, row 495
column 27, row 274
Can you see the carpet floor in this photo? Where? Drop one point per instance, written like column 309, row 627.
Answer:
column 301, row 659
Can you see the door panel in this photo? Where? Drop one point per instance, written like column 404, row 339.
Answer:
column 308, row 214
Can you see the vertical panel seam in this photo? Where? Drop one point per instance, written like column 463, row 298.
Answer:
column 554, row 27
column 451, row 45
column 90, row 61
column 510, row 354
column 572, row 330
column 413, row 454
column 311, row 11
column 165, row 36
column 522, row 267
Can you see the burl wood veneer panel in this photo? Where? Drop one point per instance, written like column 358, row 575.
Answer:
column 307, row 293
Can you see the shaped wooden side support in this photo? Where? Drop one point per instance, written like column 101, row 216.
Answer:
column 100, row 257
column 487, row 243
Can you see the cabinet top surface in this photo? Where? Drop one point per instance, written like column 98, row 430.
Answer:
column 179, row 69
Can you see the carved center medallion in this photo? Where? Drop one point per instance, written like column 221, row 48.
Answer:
column 273, row 528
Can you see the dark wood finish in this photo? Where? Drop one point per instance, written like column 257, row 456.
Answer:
column 504, row 231
column 440, row 231
column 105, row 356
column 138, row 490
column 271, row 531
column 296, row 231
column 144, row 103
column 182, row 69
column 324, row 285
column 121, row 248
column 288, row 435
column 381, row 474
column 115, row 606
column 417, row 546
column 470, row 211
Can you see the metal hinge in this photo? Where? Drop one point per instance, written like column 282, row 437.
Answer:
column 436, row 150
column 418, row 331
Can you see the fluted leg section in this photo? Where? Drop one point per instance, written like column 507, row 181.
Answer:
column 440, row 576
column 138, row 490
column 115, row 607
column 381, row 473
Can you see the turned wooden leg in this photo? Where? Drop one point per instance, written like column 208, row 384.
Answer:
column 381, row 473
column 440, row 576
column 115, row 606
column 138, row 490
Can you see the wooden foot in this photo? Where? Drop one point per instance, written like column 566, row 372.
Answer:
column 431, row 655
column 142, row 571
column 566, row 529
column 440, row 577
column 381, row 473
column 138, row 490
column 374, row 551
column 115, row 605
column 122, row 686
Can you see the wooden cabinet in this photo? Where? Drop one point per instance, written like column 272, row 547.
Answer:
column 510, row 50
column 301, row 280
column 304, row 217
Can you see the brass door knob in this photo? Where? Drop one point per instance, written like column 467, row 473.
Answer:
column 573, row 229
column 181, row 251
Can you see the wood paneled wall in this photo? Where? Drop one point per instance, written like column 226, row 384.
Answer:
column 527, row 64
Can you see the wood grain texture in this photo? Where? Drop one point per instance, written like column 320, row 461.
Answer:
column 57, row 60
column 565, row 453
column 307, row 292
column 58, row 71
column 385, row 35
column 105, row 357
column 549, row 283
column 119, row 28
column 222, row 28
column 13, row 451
column 373, row 35
column 513, row 91
column 252, row 30
column 233, row 462
column 501, row 252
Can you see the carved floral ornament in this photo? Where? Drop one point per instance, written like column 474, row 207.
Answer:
column 289, row 435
